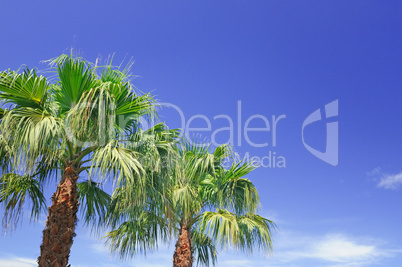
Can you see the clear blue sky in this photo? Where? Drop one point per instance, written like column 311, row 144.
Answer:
column 278, row 58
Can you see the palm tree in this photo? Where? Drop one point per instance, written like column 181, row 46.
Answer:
column 205, row 204
column 137, row 226
column 81, row 122
column 215, row 206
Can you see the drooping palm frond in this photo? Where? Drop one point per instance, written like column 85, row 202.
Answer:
column 125, row 207
column 204, row 248
column 221, row 226
column 134, row 236
column 238, row 193
column 256, row 233
column 15, row 190
column 93, row 201
column 186, row 200
column 244, row 232
column 121, row 164
column 33, row 135
column 136, row 228
column 5, row 155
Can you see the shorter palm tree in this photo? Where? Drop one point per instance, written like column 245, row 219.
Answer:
column 205, row 204
column 215, row 207
column 138, row 224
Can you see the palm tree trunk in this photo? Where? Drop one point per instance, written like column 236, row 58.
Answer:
column 183, row 255
column 60, row 225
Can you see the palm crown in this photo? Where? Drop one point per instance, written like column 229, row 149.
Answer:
column 87, row 119
column 206, row 204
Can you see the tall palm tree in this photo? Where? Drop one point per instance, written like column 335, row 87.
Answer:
column 83, row 122
column 205, row 204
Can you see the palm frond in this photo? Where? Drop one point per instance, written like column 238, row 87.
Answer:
column 185, row 200
column 76, row 77
column 120, row 164
column 15, row 190
column 238, row 193
column 221, row 153
column 93, row 201
column 5, row 155
column 204, row 248
column 245, row 232
column 33, row 135
column 221, row 226
column 116, row 74
column 239, row 169
column 256, row 233
column 137, row 235
column 25, row 89
column 108, row 110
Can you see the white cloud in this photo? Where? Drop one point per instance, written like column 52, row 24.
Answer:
column 390, row 181
column 339, row 248
column 99, row 248
column 161, row 257
column 386, row 181
column 18, row 262
column 328, row 250
column 236, row 263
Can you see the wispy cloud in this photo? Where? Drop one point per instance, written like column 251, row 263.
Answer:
column 392, row 181
column 384, row 180
column 18, row 262
column 329, row 250
column 237, row 263
column 336, row 248
column 99, row 248
column 374, row 171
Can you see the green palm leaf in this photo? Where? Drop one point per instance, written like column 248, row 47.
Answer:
column 15, row 190
column 120, row 163
column 204, row 248
column 94, row 201
column 75, row 78
column 32, row 133
column 24, row 89
column 245, row 232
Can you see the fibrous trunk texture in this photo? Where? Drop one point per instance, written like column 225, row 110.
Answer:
column 60, row 225
column 183, row 255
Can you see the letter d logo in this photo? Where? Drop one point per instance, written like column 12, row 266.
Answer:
column 330, row 155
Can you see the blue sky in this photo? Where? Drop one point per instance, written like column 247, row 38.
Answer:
column 273, row 58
